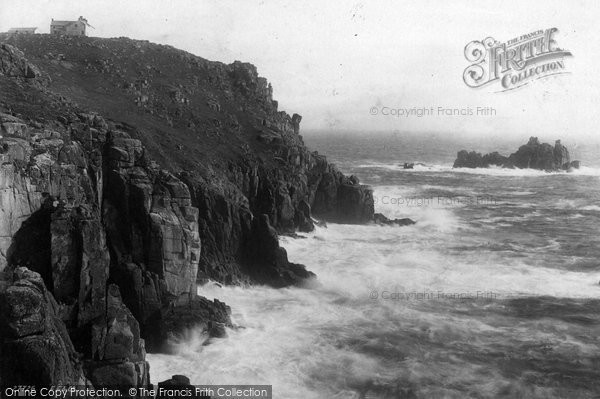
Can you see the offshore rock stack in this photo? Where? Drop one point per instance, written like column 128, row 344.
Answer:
column 129, row 172
column 533, row 155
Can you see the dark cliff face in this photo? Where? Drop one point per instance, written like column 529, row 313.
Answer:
column 533, row 155
column 100, row 230
column 217, row 128
column 130, row 170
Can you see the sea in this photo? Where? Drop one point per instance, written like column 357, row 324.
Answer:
column 493, row 293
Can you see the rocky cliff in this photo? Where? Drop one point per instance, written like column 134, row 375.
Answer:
column 130, row 170
column 533, row 155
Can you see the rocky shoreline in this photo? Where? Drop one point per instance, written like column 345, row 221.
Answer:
column 533, row 155
column 131, row 171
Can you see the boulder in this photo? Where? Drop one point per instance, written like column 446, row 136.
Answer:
column 179, row 383
column 379, row 218
column 195, row 313
column 175, row 381
column 25, row 306
column 17, row 129
column 110, row 375
column 35, row 348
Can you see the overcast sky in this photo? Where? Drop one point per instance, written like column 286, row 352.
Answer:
column 331, row 61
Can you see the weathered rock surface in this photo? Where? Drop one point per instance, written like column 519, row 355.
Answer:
column 119, row 241
column 268, row 263
column 67, row 185
column 14, row 64
column 118, row 352
column 533, row 155
column 36, row 348
column 543, row 156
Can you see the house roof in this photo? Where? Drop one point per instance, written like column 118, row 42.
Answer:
column 63, row 22
column 22, row 28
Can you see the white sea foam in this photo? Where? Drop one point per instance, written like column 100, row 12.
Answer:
column 492, row 170
column 332, row 340
column 298, row 339
column 415, row 262
column 590, row 208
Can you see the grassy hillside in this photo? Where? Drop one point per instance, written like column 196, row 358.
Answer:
column 188, row 112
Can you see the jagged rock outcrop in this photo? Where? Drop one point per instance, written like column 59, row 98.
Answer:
column 14, row 64
column 218, row 129
column 79, row 263
column 154, row 239
column 383, row 220
column 36, row 348
column 302, row 185
column 465, row 159
column 533, row 155
column 120, row 241
column 543, row 156
column 354, row 203
column 60, row 178
column 336, row 197
column 118, row 352
column 268, row 260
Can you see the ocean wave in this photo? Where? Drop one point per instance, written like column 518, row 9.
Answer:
column 414, row 257
column 498, row 171
column 590, row 208
column 517, row 193
column 575, row 204
column 492, row 170
column 336, row 340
